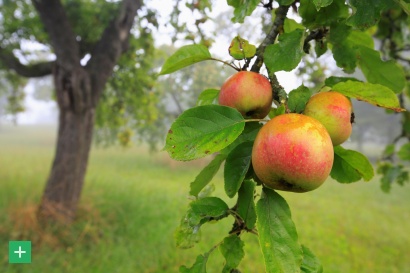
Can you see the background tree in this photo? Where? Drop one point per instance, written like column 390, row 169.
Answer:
column 85, row 40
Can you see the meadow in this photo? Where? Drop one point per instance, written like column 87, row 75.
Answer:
column 133, row 201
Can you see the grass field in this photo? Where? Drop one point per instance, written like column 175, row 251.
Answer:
column 133, row 201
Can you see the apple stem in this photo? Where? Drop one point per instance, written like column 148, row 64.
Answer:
column 256, row 119
column 226, row 63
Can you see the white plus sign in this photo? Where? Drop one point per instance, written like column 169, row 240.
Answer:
column 19, row 252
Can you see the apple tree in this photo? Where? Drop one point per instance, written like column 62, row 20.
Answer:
column 292, row 147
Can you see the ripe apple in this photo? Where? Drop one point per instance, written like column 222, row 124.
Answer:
column 334, row 111
column 248, row 92
column 292, row 152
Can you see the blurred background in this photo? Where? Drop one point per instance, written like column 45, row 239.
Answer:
column 134, row 195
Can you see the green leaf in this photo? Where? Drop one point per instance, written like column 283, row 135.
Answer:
column 246, row 203
column 206, row 175
column 248, row 134
column 322, row 3
column 236, row 166
column 344, row 51
column 405, row 6
column 198, row 267
column 313, row 18
column 391, row 174
column 277, row 111
column 375, row 94
column 389, row 73
column 298, row 99
column 331, row 81
column 389, row 150
column 241, row 49
column 290, row 25
column 286, row 54
column 187, row 235
column 310, row 263
column 367, row 13
column 346, row 44
column 403, row 177
column 320, row 48
column 277, row 234
column 242, row 8
column 208, row 96
column 203, row 130
column 285, row 2
column 361, row 38
column 232, row 250
column 185, row 56
column 350, row 166
column 404, row 152
column 199, row 212
column 207, row 207
column 206, row 191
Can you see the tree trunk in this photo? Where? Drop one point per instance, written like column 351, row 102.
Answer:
column 65, row 183
column 75, row 129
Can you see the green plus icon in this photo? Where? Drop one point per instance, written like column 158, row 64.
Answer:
column 20, row 252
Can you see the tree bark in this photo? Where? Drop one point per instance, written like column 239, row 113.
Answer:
column 76, row 122
column 65, row 183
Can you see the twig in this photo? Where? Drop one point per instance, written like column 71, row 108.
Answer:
column 268, row 5
column 226, row 63
column 317, row 34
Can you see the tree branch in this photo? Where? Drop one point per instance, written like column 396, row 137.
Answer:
column 176, row 100
column 277, row 27
column 58, row 27
column 30, row 71
column 268, row 5
column 112, row 44
column 402, row 58
column 317, row 35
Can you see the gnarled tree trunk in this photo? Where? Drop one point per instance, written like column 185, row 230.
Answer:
column 75, row 129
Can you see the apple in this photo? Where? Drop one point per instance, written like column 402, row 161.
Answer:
column 248, row 92
column 292, row 152
column 334, row 111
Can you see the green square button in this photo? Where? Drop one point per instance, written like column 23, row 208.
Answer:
column 20, row 252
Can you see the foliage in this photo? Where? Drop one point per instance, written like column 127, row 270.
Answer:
column 130, row 101
column 341, row 26
column 393, row 34
column 11, row 94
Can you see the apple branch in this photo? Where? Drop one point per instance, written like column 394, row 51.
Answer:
column 316, row 35
column 277, row 27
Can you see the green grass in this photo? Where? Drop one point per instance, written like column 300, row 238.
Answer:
column 133, row 201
